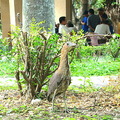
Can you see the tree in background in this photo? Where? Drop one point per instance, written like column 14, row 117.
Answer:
column 113, row 10
column 40, row 10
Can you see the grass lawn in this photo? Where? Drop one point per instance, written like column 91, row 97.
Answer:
column 95, row 68
column 88, row 67
column 7, row 68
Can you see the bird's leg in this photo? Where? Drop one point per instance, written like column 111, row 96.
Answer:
column 53, row 99
column 66, row 109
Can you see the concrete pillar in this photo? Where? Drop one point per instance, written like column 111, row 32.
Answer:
column 5, row 17
column 12, row 12
column 63, row 8
column 15, row 8
column 69, row 9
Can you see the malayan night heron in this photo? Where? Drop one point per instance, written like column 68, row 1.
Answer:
column 61, row 79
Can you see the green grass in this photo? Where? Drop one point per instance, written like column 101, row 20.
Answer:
column 95, row 68
column 88, row 67
column 7, row 68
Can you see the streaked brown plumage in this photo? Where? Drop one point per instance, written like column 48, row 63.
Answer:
column 61, row 79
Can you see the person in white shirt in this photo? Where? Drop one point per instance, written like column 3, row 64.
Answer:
column 62, row 28
column 102, row 28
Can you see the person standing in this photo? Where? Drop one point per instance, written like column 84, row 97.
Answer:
column 84, row 21
column 101, row 11
column 93, row 20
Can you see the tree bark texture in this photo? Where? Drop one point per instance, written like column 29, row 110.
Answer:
column 84, row 5
column 113, row 10
column 40, row 10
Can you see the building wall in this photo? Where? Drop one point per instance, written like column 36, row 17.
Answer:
column 10, row 8
column 5, row 17
column 63, row 8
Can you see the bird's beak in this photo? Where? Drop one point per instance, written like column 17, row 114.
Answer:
column 73, row 45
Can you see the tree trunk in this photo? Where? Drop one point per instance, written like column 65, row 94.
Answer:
column 84, row 5
column 40, row 10
column 92, row 3
column 113, row 10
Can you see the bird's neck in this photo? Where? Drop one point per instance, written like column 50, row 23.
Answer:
column 64, row 60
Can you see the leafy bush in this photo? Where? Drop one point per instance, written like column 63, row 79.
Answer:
column 37, row 55
column 114, row 46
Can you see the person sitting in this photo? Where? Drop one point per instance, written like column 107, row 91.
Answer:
column 84, row 21
column 102, row 28
column 63, row 30
column 71, row 26
column 56, row 28
column 104, row 17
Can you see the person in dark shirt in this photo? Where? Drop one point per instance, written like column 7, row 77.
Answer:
column 84, row 21
column 93, row 20
column 101, row 11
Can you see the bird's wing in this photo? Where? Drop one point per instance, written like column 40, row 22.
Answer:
column 55, row 81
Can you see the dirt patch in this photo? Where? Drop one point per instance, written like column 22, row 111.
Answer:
column 82, row 106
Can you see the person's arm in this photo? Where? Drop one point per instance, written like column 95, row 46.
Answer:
column 96, row 29
column 89, row 24
column 83, row 23
column 91, row 28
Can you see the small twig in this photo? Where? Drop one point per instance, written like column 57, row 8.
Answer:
column 43, row 36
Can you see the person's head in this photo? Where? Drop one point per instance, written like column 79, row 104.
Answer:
column 91, row 12
column 70, row 24
column 85, row 13
column 63, row 20
column 105, row 22
column 101, row 11
column 104, row 16
column 57, row 25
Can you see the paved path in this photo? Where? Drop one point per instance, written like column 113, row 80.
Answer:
column 7, row 81
column 98, row 81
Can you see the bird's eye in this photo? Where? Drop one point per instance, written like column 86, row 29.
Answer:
column 67, row 43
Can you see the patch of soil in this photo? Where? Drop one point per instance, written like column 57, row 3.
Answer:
column 99, row 103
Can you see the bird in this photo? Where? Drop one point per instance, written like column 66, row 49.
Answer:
column 61, row 78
